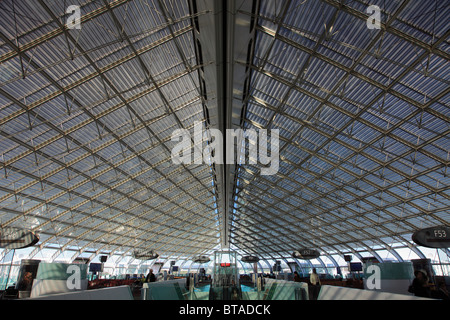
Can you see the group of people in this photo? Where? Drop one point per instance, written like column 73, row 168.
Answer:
column 420, row 287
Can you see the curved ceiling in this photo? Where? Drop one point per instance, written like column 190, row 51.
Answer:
column 87, row 116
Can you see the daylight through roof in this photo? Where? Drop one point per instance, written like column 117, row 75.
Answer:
column 352, row 98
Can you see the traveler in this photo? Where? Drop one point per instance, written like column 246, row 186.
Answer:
column 297, row 277
column 150, row 277
column 315, row 284
column 420, row 286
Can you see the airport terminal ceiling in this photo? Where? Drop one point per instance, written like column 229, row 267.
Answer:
column 91, row 93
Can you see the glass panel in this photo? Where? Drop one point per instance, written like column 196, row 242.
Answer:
column 386, row 256
column 407, row 254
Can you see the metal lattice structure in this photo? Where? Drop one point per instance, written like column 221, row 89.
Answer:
column 86, row 117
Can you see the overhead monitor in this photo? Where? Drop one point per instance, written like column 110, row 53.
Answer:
column 356, row 266
column 95, row 267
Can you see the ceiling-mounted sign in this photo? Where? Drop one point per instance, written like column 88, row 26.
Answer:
column 14, row 238
column 145, row 255
column 306, row 254
column 250, row 259
column 201, row 259
column 436, row 237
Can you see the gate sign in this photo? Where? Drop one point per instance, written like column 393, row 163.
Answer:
column 306, row 254
column 250, row 259
column 145, row 255
column 13, row 238
column 202, row 259
column 436, row 237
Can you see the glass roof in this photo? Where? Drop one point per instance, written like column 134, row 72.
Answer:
column 87, row 116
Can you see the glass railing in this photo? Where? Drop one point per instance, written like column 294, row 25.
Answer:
column 271, row 290
column 284, row 290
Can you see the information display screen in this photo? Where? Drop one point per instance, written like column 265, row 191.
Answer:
column 95, row 267
column 356, row 266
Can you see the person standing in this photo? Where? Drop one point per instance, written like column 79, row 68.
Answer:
column 420, row 286
column 150, row 277
column 315, row 284
column 297, row 277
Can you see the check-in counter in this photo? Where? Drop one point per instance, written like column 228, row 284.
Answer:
column 55, row 278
